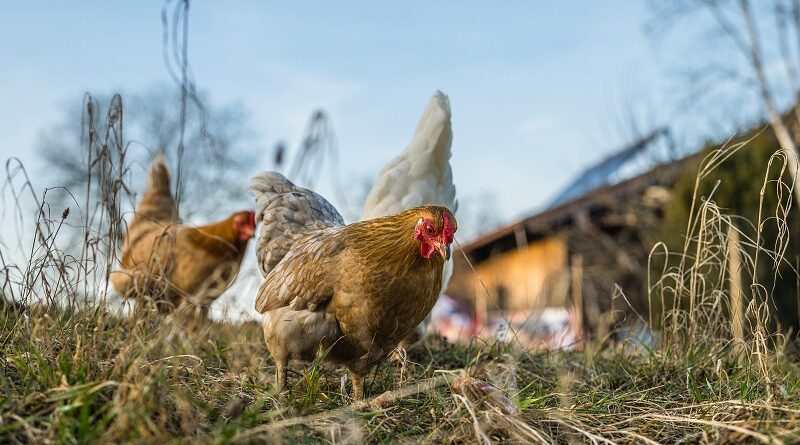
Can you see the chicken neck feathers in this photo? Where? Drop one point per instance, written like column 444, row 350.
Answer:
column 217, row 238
column 421, row 174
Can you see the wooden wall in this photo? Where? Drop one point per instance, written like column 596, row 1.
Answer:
column 528, row 278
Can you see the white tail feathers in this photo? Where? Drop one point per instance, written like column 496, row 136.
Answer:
column 421, row 174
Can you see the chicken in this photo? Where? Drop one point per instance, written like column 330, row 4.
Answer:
column 353, row 291
column 419, row 175
column 177, row 264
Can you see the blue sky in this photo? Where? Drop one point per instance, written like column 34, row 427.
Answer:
column 538, row 89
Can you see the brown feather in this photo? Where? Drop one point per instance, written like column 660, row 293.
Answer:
column 357, row 289
column 171, row 262
column 157, row 202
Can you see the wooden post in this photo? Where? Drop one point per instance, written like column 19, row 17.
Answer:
column 521, row 237
column 735, row 279
column 481, row 306
column 576, row 271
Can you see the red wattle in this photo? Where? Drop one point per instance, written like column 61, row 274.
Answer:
column 426, row 250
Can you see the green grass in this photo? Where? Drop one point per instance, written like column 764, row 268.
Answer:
column 84, row 376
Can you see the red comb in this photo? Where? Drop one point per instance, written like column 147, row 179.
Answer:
column 447, row 228
column 252, row 218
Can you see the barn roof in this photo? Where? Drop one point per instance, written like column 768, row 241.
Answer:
column 629, row 162
column 562, row 214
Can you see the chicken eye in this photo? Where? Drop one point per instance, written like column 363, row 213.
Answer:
column 430, row 230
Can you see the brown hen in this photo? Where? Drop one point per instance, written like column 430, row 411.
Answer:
column 175, row 264
column 352, row 290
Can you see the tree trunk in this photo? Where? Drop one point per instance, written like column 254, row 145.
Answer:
column 787, row 145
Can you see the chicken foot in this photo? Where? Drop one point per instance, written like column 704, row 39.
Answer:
column 358, row 385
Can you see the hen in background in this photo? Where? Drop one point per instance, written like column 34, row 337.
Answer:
column 420, row 175
column 174, row 264
column 353, row 291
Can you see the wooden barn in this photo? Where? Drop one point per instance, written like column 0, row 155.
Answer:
column 571, row 256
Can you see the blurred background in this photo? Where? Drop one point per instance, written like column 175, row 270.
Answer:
column 578, row 129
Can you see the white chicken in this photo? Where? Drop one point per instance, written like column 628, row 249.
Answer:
column 420, row 175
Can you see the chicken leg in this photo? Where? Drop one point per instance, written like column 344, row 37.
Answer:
column 280, row 376
column 358, row 385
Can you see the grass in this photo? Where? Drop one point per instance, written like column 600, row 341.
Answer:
column 86, row 376
column 74, row 372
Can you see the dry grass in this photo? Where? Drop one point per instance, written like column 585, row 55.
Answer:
column 86, row 376
column 73, row 372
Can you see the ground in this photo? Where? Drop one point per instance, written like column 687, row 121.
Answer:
column 81, row 376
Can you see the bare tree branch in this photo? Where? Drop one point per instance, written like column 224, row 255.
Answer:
column 776, row 121
column 737, row 21
column 214, row 170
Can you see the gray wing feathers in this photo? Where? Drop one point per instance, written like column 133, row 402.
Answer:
column 286, row 212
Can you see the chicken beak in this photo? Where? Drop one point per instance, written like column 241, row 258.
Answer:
column 444, row 250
